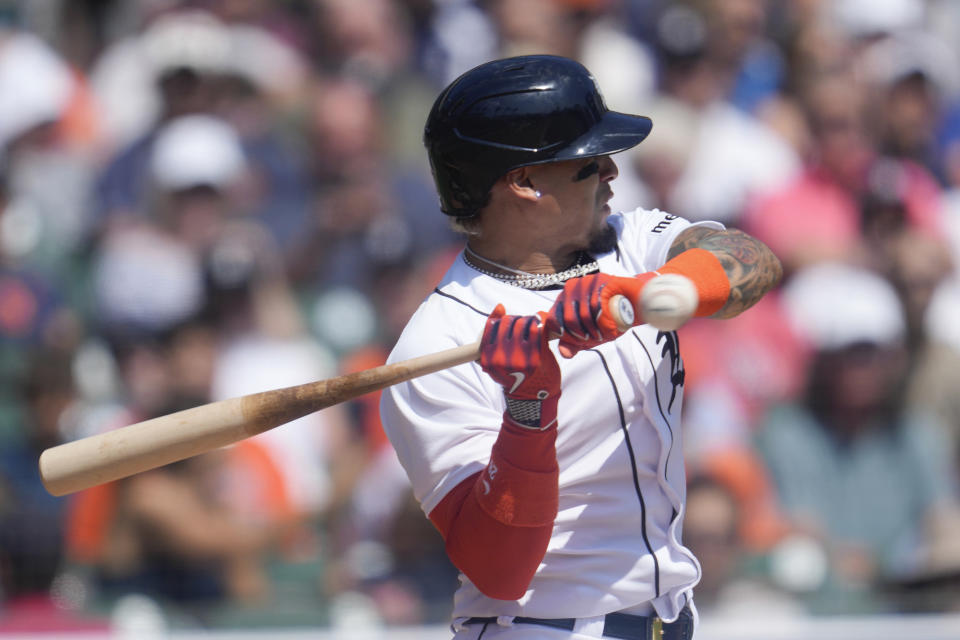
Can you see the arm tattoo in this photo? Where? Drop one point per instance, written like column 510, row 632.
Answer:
column 751, row 267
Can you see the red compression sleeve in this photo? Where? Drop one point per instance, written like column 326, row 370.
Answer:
column 497, row 523
column 707, row 274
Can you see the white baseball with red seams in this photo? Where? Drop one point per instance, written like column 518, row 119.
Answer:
column 668, row 301
column 616, row 541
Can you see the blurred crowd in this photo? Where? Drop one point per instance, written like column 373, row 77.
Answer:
column 203, row 199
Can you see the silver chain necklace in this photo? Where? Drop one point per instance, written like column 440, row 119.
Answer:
column 527, row 280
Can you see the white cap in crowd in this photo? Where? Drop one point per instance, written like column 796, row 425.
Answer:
column 864, row 18
column 35, row 85
column 196, row 150
column 834, row 305
column 188, row 39
column 271, row 65
column 897, row 57
column 124, row 77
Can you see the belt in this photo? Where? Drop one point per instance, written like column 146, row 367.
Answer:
column 618, row 625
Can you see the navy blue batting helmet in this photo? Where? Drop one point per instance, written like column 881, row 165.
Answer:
column 513, row 113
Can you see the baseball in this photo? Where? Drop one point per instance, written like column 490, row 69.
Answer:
column 668, row 301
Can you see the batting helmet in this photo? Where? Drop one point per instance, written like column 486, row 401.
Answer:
column 513, row 113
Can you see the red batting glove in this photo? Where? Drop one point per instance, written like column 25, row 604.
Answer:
column 514, row 352
column 580, row 316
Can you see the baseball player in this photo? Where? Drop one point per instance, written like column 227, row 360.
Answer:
column 553, row 468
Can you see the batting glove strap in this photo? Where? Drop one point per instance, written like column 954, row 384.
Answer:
column 525, row 413
column 536, row 415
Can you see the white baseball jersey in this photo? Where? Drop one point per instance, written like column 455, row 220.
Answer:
column 616, row 539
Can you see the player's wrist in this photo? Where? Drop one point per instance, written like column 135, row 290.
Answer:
column 532, row 414
column 707, row 274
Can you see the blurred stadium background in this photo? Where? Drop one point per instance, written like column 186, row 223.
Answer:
column 202, row 199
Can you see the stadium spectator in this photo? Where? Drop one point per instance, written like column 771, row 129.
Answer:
column 854, row 468
column 820, row 214
column 732, row 583
column 725, row 157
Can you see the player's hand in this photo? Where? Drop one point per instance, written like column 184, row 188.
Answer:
column 580, row 314
column 515, row 353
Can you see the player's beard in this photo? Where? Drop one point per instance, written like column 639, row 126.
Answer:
column 603, row 240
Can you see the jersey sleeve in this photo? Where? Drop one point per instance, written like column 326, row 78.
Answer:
column 646, row 236
column 442, row 425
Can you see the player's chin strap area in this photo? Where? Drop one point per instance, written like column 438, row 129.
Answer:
column 615, row 625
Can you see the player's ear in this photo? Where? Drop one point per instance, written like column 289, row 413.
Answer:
column 520, row 184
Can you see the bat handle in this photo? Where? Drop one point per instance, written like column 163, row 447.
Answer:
column 620, row 309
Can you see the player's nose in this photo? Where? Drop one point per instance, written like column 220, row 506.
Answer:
column 608, row 168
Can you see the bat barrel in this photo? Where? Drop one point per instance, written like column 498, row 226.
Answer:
column 146, row 445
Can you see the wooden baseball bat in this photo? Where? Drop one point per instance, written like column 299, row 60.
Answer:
column 123, row 452
column 146, row 445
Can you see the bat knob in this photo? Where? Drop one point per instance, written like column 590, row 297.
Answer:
column 621, row 308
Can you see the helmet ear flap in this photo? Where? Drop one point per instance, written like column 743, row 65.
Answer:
column 462, row 202
column 461, row 194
